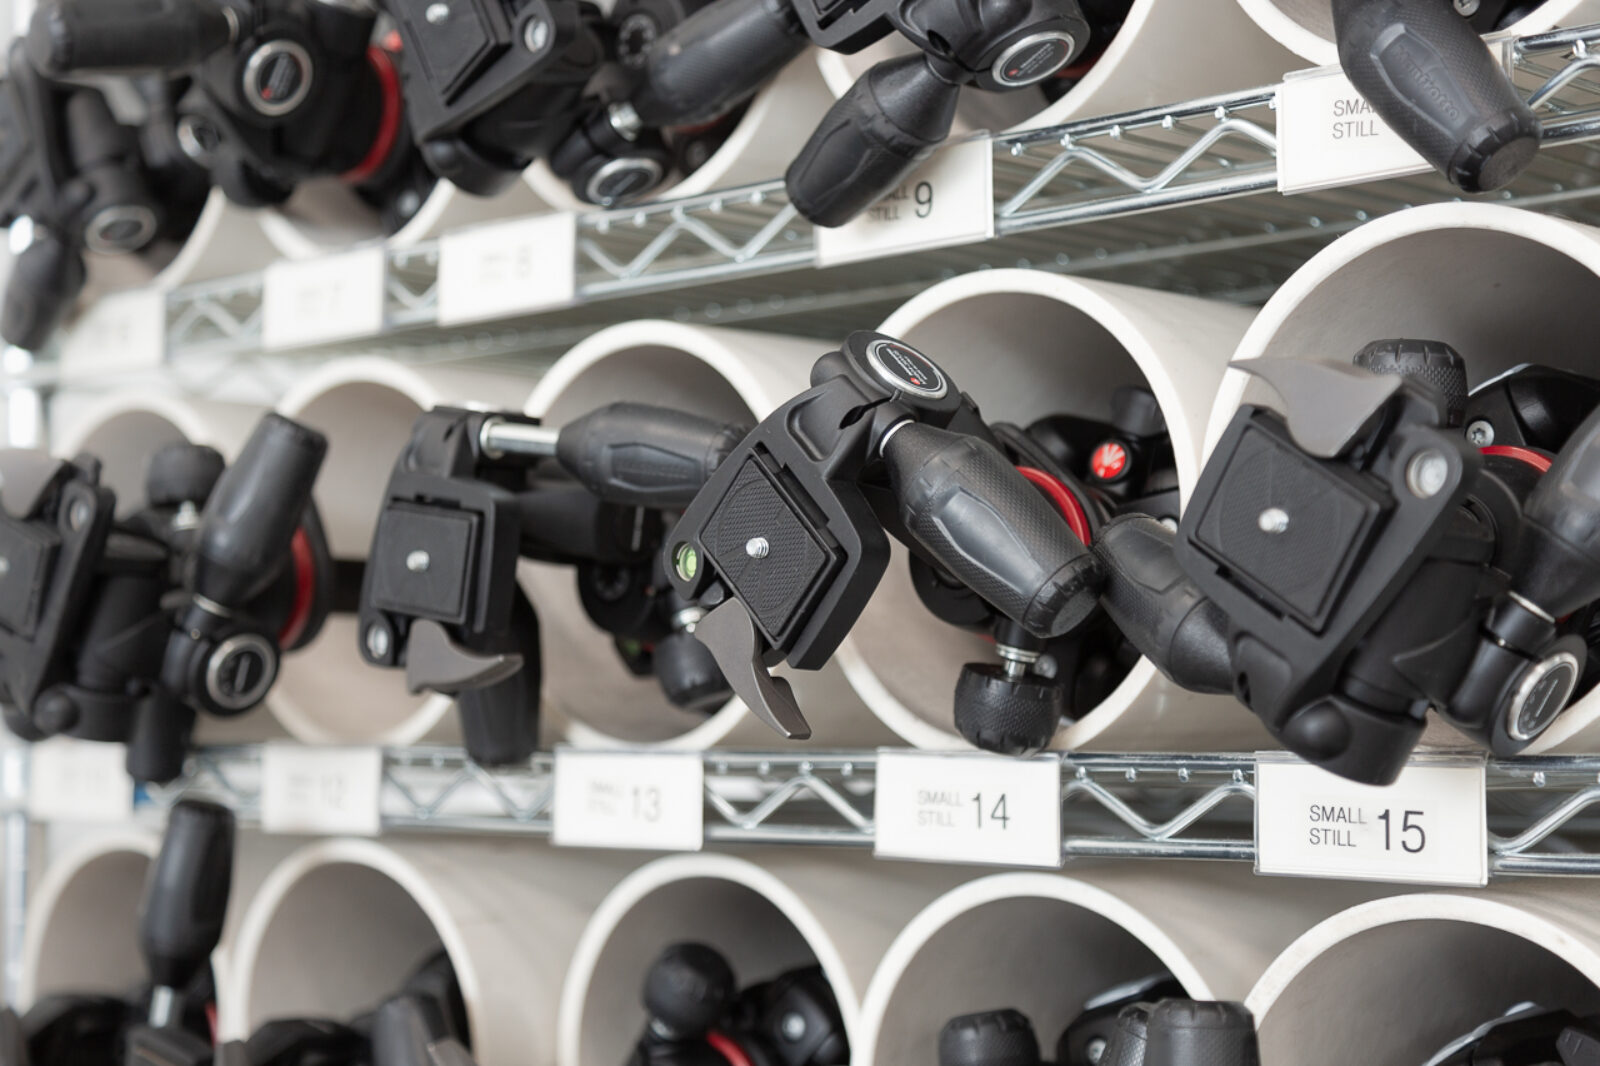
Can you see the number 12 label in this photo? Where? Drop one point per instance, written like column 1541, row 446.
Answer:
column 1428, row 827
column 968, row 808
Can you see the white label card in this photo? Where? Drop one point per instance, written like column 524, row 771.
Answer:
column 1429, row 827
column 1328, row 135
column 78, row 781
column 120, row 332
column 968, row 808
column 948, row 200
column 332, row 791
column 609, row 799
column 508, row 268
column 313, row 301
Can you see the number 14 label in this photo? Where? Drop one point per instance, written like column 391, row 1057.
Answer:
column 1428, row 827
column 968, row 808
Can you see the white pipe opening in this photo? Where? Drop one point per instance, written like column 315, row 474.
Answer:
column 340, row 924
column 1390, row 982
column 366, row 406
column 1025, row 344
column 734, row 375
column 1305, row 27
column 759, row 148
column 766, row 913
column 1046, row 944
column 1462, row 273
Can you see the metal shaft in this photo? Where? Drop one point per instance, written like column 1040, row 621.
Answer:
column 499, row 438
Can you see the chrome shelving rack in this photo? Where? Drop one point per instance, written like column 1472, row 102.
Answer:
column 1160, row 806
column 1181, row 198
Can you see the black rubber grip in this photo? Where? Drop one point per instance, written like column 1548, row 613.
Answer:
column 974, row 515
column 1557, row 565
column 890, row 120
column 1184, row 1032
column 1430, row 77
column 125, row 36
column 500, row 723
column 688, row 989
column 989, row 1038
column 186, row 898
column 1432, row 363
column 1158, row 608
column 158, row 740
column 44, row 284
column 254, row 511
column 645, row 456
column 714, row 59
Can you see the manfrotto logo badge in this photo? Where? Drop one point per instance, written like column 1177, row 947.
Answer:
column 906, row 369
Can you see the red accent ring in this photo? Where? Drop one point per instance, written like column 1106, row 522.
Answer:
column 388, row 123
column 1077, row 518
column 1538, row 460
column 305, row 589
column 728, row 1049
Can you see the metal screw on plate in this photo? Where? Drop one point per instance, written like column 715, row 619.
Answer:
column 536, row 34
column 757, row 547
column 1467, row 8
column 1481, row 433
column 793, row 1026
column 436, row 13
column 417, row 562
column 1273, row 520
column 1095, row 1049
column 77, row 514
column 5, row 566
column 377, row 641
column 1427, row 473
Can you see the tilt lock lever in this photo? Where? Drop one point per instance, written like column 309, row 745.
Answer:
column 787, row 540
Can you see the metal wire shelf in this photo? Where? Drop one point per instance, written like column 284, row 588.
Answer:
column 1180, row 198
column 1543, row 813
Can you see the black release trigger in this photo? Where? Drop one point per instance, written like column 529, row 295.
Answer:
column 437, row 663
column 730, row 633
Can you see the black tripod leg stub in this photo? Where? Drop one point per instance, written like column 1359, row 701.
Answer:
column 1011, row 716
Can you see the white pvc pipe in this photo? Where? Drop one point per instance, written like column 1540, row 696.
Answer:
column 82, row 933
column 83, row 919
column 325, row 216
column 340, row 924
column 366, row 406
column 1390, row 982
column 1463, row 273
column 1045, row 944
column 728, row 374
column 760, row 147
column 766, row 912
column 1167, row 51
column 1024, row 344
column 1305, row 27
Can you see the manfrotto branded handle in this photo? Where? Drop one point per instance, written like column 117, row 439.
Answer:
column 1428, row 74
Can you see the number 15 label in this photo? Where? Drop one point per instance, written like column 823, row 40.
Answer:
column 1428, row 827
column 968, row 808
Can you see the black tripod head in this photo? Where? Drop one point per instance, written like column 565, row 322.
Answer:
column 279, row 91
column 1169, row 1031
column 787, row 540
column 128, row 629
column 472, row 494
column 700, row 1017
column 1384, row 565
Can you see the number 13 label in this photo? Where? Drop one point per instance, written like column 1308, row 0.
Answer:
column 1428, row 827
column 650, row 800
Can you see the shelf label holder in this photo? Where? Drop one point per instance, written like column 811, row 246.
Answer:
column 650, row 800
column 968, row 807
